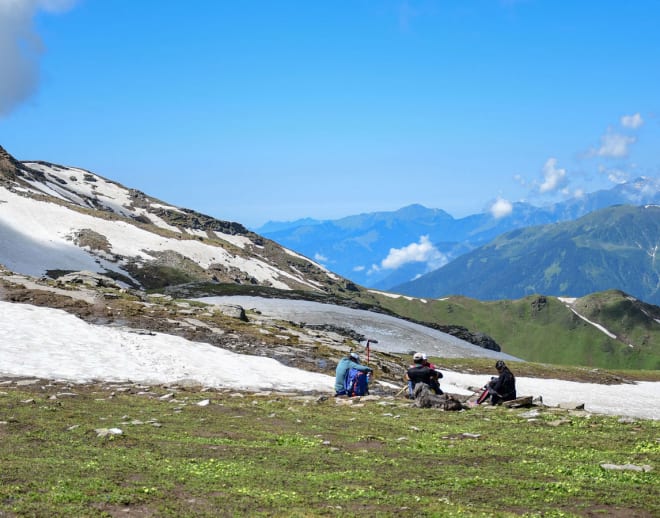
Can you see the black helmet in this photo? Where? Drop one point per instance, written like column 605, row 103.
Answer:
column 499, row 365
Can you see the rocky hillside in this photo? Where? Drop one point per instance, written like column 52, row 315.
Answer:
column 99, row 300
column 56, row 219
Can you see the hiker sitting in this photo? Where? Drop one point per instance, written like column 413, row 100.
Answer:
column 502, row 388
column 421, row 372
column 435, row 382
column 352, row 361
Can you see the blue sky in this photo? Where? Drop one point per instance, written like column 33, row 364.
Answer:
column 277, row 110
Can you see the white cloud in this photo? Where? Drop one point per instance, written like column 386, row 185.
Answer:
column 553, row 176
column 20, row 48
column 421, row 252
column 616, row 176
column 359, row 268
column 632, row 121
column 501, row 208
column 614, row 145
column 320, row 258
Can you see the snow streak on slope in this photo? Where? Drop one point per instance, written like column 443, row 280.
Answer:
column 77, row 185
column 569, row 304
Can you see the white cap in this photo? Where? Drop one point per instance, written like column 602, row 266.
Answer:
column 418, row 356
column 355, row 356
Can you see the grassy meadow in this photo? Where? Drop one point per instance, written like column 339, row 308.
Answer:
column 543, row 329
column 186, row 452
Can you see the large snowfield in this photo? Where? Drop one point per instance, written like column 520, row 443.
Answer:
column 52, row 344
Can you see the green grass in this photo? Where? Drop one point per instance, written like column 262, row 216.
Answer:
column 273, row 455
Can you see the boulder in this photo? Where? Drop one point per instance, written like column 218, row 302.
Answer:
column 89, row 278
column 424, row 397
column 525, row 401
column 233, row 311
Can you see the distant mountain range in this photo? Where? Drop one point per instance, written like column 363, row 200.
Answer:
column 385, row 250
column 613, row 248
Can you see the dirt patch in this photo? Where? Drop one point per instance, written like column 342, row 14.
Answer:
column 116, row 511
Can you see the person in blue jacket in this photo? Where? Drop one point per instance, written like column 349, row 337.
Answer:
column 352, row 361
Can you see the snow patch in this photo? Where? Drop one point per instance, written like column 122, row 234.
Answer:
column 196, row 232
column 395, row 295
column 597, row 326
column 239, row 241
column 63, row 346
column 167, row 207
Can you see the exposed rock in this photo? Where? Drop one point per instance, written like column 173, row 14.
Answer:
column 539, row 303
column 88, row 278
column 558, row 422
column 475, row 338
column 233, row 311
column 425, row 398
column 24, row 383
column 525, row 401
column 105, row 432
column 571, row 406
column 627, row 467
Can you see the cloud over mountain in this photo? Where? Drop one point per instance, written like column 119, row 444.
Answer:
column 420, row 252
column 614, row 145
column 501, row 208
column 553, row 177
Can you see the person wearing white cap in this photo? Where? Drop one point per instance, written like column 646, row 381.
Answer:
column 420, row 372
column 352, row 361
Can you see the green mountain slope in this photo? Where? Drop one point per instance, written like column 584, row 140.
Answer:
column 613, row 248
column 608, row 329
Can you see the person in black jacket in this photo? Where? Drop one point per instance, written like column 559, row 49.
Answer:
column 421, row 372
column 435, row 376
column 502, row 388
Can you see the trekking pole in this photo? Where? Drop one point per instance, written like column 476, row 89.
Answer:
column 368, row 347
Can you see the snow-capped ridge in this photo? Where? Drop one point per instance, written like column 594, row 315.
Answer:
column 61, row 218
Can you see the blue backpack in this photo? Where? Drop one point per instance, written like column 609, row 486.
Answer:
column 356, row 383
